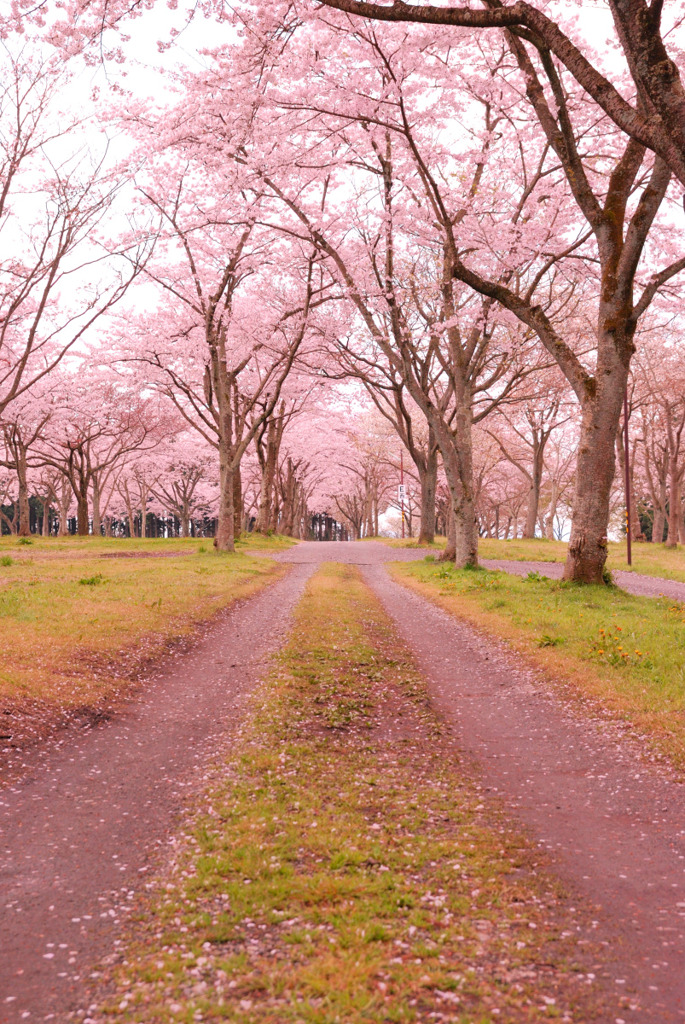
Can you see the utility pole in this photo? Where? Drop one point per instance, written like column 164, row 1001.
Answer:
column 627, row 469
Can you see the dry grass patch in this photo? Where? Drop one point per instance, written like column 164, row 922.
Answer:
column 344, row 868
column 77, row 623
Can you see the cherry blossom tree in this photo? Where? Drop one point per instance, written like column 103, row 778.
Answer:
column 59, row 271
column 655, row 119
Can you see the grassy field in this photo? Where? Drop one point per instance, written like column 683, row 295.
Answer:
column 78, row 614
column 626, row 654
column 341, row 867
column 650, row 559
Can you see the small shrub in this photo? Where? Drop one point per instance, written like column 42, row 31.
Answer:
column 550, row 641
column 92, row 581
column 607, row 577
column 6, row 560
column 25, row 540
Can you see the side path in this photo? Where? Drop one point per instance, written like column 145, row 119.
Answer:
column 77, row 835
column 615, row 827
column 632, row 582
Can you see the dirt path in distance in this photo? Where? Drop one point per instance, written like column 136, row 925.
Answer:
column 79, row 833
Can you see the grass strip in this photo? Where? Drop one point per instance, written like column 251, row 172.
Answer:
column 623, row 654
column 648, row 559
column 78, row 616
column 342, row 867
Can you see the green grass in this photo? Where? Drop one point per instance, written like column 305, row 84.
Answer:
column 75, row 624
column 625, row 652
column 36, row 547
column 342, row 868
column 650, row 559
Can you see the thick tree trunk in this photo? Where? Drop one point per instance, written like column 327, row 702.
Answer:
column 82, row 515
column 429, row 482
column 23, row 499
column 595, row 468
column 457, row 460
column 658, row 526
column 456, row 448
column 225, row 527
column 532, row 510
column 534, row 493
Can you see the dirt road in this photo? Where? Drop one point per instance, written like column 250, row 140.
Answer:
column 615, row 826
column 79, row 833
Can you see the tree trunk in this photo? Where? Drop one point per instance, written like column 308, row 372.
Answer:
column 456, row 448
column 238, row 509
column 82, row 515
column 63, row 510
column 552, row 511
column 225, row 527
column 673, row 504
column 595, row 467
column 532, row 509
column 450, row 551
column 23, row 499
column 658, row 525
column 429, row 482
column 263, row 523
column 96, row 509
column 46, row 518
